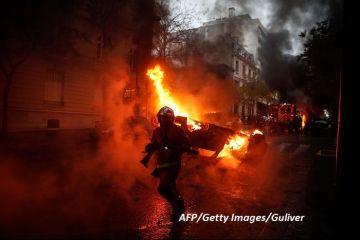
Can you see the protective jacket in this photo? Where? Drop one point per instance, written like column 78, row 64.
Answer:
column 170, row 141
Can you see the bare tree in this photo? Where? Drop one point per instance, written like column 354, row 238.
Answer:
column 124, row 30
column 254, row 91
column 171, row 33
column 111, row 22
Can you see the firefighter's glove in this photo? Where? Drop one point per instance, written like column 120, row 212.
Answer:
column 193, row 151
column 150, row 147
column 155, row 173
column 144, row 162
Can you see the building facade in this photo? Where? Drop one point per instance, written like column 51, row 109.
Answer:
column 235, row 42
column 65, row 91
column 54, row 93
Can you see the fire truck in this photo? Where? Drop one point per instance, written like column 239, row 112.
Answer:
column 287, row 117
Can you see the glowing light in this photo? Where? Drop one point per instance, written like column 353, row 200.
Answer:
column 303, row 121
column 257, row 131
column 236, row 143
column 165, row 98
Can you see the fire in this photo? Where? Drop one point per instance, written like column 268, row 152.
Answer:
column 257, row 131
column 156, row 75
column 234, row 143
column 303, row 121
column 236, row 147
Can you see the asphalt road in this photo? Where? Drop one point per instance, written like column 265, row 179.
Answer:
column 286, row 180
column 278, row 183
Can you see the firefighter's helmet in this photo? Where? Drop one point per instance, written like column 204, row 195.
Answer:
column 166, row 116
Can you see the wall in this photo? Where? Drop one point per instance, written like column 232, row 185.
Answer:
column 81, row 95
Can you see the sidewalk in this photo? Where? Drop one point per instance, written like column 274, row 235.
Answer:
column 319, row 200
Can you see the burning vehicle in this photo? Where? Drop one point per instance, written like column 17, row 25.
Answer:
column 224, row 142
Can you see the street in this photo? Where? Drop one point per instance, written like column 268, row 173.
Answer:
column 103, row 102
column 85, row 202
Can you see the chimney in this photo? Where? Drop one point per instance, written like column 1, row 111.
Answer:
column 231, row 12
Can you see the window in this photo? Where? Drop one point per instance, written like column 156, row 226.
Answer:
column 237, row 66
column 244, row 70
column 249, row 73
column 54, row 88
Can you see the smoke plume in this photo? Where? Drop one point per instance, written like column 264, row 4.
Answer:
column 284, row 21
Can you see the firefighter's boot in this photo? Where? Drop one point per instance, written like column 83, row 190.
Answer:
column 178, row 209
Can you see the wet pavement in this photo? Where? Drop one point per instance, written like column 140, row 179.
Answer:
column 282, row 182
column 276, row 184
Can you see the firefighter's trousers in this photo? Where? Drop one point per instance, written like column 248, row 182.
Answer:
column 167, row 188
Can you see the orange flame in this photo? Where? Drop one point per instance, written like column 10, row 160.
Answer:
column 234, row 149
column 303, row 121
column 156, row 75
column 236, row 145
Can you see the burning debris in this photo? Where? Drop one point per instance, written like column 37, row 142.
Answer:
column 224, row 142
column 234, row 143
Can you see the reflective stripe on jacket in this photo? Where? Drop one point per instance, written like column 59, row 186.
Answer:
column 168, row 165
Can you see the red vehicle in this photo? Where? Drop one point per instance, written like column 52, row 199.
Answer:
column 287, row 117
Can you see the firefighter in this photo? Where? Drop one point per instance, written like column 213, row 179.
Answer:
column 170, row 141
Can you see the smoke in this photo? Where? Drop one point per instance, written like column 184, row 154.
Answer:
column 284, row 21
column 274, row 62
column 281, row 15
column 201, row 88
column 53, row 186
column 49, row 191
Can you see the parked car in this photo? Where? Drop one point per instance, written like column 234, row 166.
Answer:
column 322, row 128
